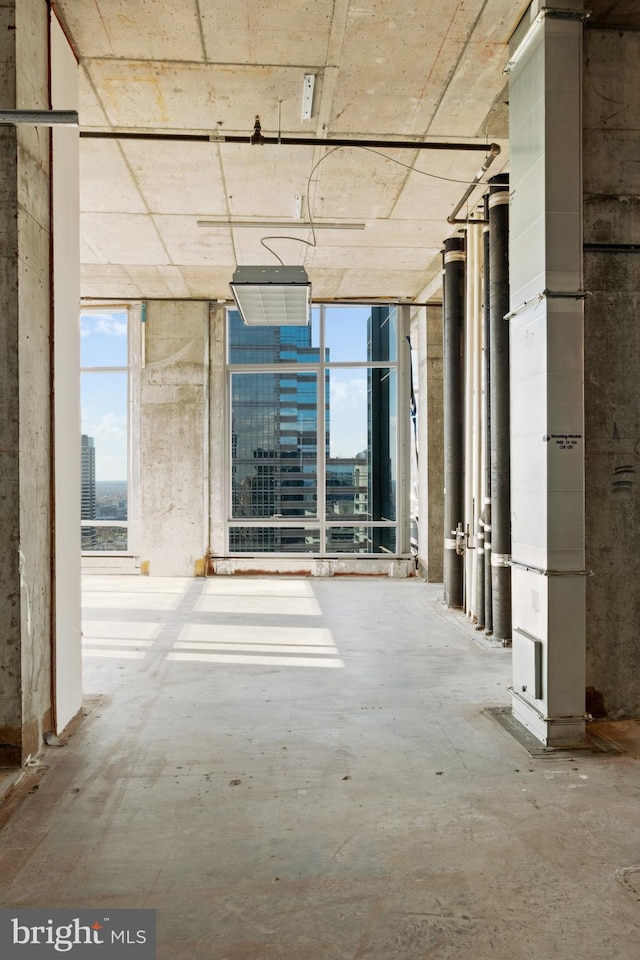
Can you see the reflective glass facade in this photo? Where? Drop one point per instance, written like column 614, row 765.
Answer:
column 319, row 484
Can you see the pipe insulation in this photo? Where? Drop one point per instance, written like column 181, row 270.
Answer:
column 487, row 617
column 500, row 400
column 469, row 333
column 475, row 231
column 472, row 454
column 453, row 397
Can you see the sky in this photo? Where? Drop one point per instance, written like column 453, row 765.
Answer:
column 346, row 335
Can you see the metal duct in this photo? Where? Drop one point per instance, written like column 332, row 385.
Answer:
column 499, row 390
column 453, row 375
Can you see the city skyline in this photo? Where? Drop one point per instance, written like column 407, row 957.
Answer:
column 101, row 500
column 104, row 394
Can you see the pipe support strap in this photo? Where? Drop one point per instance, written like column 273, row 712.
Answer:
column 546, row 572
column 497, row 199
column 500, row 559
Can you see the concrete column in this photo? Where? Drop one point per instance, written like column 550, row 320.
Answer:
column 612, row 385
column 25, row 389
column 430, row 443
column 546, row 356
column 66, row 298
column 219, row 458
column 173, row 438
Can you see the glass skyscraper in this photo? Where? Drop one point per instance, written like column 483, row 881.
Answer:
column 274, row 435
column 88, row 491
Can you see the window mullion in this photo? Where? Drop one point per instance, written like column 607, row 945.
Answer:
column 322, row 437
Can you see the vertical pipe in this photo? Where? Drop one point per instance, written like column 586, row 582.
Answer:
column 500, row 441
column 476, row 231
column 486, row 511
column 453, row 375
column 480, row 443
column 467, row 519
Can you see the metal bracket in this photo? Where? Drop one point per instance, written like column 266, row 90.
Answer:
column 461, row 539
column 40, row 118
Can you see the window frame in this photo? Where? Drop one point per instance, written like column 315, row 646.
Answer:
column 401, row 447
column 135, row 347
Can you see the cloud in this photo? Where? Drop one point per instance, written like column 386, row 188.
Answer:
column 109, row 433
column 112, row 427
column 107, row 324
column 347, row 416
column 348, row 395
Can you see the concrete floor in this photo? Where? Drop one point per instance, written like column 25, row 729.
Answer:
column 293, row 769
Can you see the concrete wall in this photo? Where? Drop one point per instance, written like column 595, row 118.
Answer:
column 173, row 453
column 183, row 452
column 10, row 601
column 66, row 293
column 25, row 389
column 612, row 381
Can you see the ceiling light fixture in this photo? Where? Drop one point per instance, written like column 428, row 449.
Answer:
column 308, row 84
column 297, row 208
column 272, row 296
column 280, row 224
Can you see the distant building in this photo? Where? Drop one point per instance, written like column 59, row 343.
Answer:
column 88, row 501
column 274, row 435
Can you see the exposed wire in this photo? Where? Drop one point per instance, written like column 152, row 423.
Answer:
column 423, row 173
column 281, row 236
column 314, row 241
column 310, row 178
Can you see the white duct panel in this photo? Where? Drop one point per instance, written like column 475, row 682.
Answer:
column 566, row 667
column 529, row 415
column 527, row 175
column 546, row 357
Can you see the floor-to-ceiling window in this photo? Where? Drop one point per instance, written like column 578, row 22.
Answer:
column 313, row 434
column 104, row 357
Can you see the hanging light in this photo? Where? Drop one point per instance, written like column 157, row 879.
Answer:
column 272, row 296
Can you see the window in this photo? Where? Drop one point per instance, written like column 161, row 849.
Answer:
column 104, row 385
column 313, row 434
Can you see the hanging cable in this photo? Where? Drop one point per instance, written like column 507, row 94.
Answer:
column 424, row 173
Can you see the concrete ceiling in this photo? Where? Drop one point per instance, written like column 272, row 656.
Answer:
column 401, row 70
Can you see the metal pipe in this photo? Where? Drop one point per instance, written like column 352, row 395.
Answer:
column 468, row 459
column 611, row 247
column 475, row 230
column 40, row 118
column 472, row 416
column 500, row 420
column 487, row 620
column 453, row 387
column 494, row 150
column 53, row 538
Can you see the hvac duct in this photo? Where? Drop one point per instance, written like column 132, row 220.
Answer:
column 453, row 375
column 499, row 392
